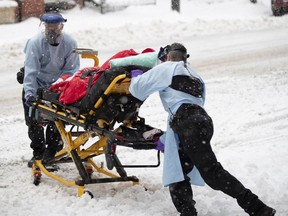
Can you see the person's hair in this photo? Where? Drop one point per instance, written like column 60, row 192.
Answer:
column 178, row 52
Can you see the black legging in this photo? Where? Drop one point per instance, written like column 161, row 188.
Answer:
column 37, row 135
column 195, row 130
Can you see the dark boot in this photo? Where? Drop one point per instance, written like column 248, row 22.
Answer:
column 182, row 198
column 37, row 155
column 30, row 162
column 253, row 205
column 265, row 211
column 189, row 214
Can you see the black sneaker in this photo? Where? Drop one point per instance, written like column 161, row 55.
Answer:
column 266, row 211
column 37, row 155
column 30, row 162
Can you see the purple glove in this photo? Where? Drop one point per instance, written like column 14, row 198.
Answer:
column 160, row 146
column 135, row 73
column 29, row 99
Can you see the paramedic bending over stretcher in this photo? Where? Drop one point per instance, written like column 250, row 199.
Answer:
column 49, row 55
column 182, row 92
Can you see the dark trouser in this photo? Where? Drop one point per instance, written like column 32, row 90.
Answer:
column 182, row 198
column 39, row 136
column 195, row 130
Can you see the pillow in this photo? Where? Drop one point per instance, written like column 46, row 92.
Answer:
column 149, row 59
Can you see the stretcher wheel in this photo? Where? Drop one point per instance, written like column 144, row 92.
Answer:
column 89, row 193
column 36, row 173
column 37, row 181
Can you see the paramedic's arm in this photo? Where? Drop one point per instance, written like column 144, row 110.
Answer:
column 72, row 63
column 156, row 79
column 32, row 67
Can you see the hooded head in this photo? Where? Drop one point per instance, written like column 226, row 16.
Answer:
column 53, row 27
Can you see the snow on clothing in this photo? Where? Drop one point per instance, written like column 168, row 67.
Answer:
column 158, row 79
column 44, row 63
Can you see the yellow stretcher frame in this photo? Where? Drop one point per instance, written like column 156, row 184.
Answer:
column 73, row 146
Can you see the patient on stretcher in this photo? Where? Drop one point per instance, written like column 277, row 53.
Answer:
column 82, row 90
column 74, row 88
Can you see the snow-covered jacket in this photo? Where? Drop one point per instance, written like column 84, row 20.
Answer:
column 44, row 63
column 158, row 79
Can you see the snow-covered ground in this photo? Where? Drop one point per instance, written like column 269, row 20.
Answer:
column 241, row 51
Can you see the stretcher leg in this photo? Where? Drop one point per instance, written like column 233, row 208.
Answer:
column 101, row 170
column 39, row 164
column 81, row 190
column 36, row 173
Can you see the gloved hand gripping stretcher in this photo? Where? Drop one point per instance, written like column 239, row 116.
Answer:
column 106, row 104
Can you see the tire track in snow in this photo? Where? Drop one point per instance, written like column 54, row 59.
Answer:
column 272, row 118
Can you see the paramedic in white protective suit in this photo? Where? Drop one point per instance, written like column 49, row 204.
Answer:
column 188, row 153
column 48, row 56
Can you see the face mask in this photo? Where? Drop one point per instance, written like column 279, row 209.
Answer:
column 52, row 37
column 53, row 34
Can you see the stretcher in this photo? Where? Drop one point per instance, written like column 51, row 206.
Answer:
column 107, row 116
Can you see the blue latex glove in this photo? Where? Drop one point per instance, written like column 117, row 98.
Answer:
column 135, row 73
column 160, row 146
column 29, row 99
